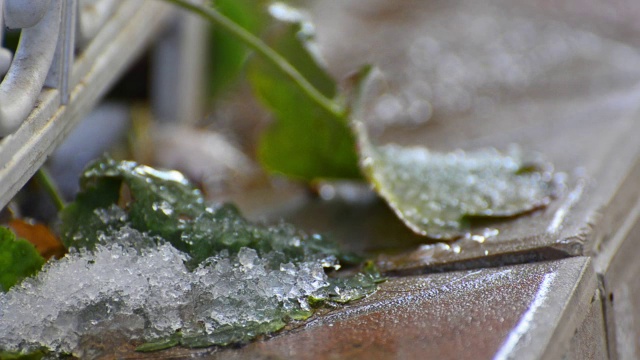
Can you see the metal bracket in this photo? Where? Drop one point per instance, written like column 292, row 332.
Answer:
column 60, row 72
column 27, row 74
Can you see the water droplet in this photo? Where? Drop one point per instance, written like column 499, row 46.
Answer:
column 327, row 192
column 163, row 206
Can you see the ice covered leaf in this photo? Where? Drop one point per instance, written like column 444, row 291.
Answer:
column 150, row 294
column 224, row 228
column 160, row 201
column 18, row 259
column 306, row 141
column 346, row 289
column 82, row 220
column 166, row 205
column 152, row 200
column 230, row 334
column 433, row 193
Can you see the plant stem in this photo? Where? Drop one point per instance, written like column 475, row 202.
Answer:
column 263, row 49
column 43, row 177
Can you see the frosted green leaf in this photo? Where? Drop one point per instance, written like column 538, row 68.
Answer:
column 181, row 272
column 433, row 193
column 166, row 205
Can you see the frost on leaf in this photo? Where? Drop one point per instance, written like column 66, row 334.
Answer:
column 434, row 192
column 168, row 207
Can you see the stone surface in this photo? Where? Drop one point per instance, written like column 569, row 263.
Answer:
column 617, row 263
column 590, row 340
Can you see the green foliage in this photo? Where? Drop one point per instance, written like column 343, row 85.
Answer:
column 166, row 205
column 18, row 259
column 223, row 336
column 224, row 228
column 306, row 142
column 339, row 291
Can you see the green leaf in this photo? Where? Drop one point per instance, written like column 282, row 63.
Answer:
column 228, row 56
column 160, row 344
column 18, row 259
column 161, row 202
column 306, row 141
column 35, row 355
column 434, row 193
column 81, row 220
column 233, row 334
column 224, row 228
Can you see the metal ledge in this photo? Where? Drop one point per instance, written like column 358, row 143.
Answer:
column 123, row 38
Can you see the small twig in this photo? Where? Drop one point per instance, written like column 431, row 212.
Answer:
column 263, row 49
column 44, row 179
